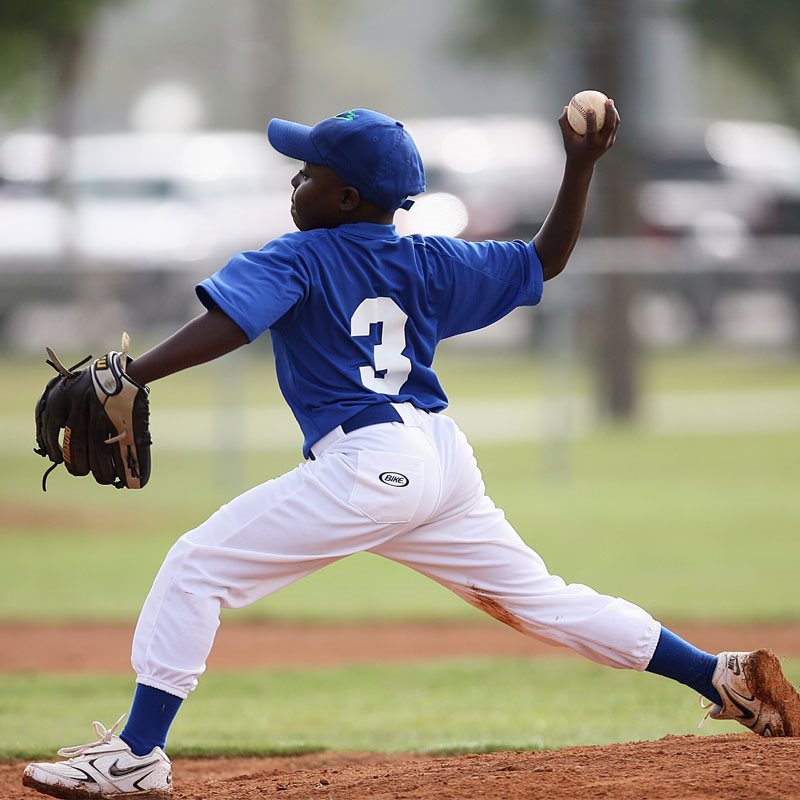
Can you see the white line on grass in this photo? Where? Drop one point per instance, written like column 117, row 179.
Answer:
column 486, row 420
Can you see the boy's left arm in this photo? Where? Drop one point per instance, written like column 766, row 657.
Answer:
column 209, row 336
column 559, row 233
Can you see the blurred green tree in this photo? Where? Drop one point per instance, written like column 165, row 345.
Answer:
column 502, row 30
column 41, row 50
column 758, row 37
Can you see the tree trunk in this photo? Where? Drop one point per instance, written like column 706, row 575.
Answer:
column 606, row 40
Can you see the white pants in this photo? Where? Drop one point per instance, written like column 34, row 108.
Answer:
column 410, row 492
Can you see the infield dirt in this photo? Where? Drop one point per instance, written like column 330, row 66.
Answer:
column 730, row 767
column 735, row 766
column 66, row 648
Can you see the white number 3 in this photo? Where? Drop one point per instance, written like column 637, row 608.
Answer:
column 388, row 357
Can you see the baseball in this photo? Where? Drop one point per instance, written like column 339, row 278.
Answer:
column 581, row 104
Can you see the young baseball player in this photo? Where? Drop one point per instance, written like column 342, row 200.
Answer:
column 355, row 313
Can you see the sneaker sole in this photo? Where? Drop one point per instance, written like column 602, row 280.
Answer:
column 67, row 793
column 764, row 676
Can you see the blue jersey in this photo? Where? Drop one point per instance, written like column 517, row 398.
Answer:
column 355, row 312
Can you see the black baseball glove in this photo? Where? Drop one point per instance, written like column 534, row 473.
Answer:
column 105, row 416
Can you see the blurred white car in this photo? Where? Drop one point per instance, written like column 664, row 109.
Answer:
column 142, row 200
column 156, row 199
column 30, row 217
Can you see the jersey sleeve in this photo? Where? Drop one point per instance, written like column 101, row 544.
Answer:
column 256, row 288
column 487, row 280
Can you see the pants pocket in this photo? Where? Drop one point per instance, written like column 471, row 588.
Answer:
column 388, row 486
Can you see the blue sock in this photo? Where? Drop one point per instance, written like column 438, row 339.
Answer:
column 674, row 658
column 148, row 723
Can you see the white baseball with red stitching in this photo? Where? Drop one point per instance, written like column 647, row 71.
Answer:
column 581, row 104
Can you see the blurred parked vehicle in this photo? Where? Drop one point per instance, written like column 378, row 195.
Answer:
column 141, row 200
column 30, row 216
column 183, row 203
column 144, row 214
column 768, row 156
column 160, row 199
column 716, row 191
column 723, row 182
column 717, row 184
column 504, row 170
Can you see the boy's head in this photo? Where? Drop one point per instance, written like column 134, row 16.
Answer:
column 363, row 165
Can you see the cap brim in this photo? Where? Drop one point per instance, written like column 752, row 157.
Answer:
column 293, row 140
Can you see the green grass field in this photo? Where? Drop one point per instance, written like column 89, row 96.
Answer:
column 449, row 706
column 688, row 525
column 668, row 523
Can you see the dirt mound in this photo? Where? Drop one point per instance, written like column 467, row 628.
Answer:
column 685, row 767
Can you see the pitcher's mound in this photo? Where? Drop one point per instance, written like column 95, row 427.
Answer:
column 686, row 767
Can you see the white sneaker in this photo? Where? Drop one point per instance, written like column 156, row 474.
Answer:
column 756, row 693
column 105, row 768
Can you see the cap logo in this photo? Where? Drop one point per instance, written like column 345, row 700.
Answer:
column 347, row 116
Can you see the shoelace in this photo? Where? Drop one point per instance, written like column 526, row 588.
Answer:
column 100, row 729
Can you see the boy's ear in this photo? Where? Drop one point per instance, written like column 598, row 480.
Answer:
column 350, row 198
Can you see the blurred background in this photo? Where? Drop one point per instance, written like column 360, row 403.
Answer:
column 133, row 163
column 133, row 160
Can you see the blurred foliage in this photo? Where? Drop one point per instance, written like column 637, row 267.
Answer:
column 761, row 37
column 41, row 44
column 502, row 30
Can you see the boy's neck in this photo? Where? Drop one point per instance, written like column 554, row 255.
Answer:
column 375, row 215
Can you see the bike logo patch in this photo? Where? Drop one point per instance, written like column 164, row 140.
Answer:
column 393, row 479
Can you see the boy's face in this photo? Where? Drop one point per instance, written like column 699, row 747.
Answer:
column 319, row 198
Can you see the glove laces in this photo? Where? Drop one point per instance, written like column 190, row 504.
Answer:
column 105, row 737
column 708, row 706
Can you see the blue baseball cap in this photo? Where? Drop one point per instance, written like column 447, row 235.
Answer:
column 368, row 150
